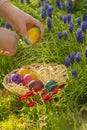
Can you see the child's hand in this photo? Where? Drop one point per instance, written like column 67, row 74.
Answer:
column 20, row 20
column 8, row 41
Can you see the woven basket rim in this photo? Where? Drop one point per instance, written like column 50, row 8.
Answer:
column 21, row 90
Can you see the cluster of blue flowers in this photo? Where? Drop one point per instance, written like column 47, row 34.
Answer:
column 63, row 6
column 65, row 18
column 70, row 60
column 84, row 21
column 46, row 12
column 79, row 37
column 60, row 35
column 72, row 57
column 80, row 32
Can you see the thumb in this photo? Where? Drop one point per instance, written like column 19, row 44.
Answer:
column 23, row 30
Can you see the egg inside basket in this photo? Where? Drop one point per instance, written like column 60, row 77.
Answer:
column 41, row 72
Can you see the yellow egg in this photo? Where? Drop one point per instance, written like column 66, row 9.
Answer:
column 23, row 71
column 34, row 75
column 33, row 35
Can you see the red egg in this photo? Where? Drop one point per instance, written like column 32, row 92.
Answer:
column 27, row 78
column 35, row 85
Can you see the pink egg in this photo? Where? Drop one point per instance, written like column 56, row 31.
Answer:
column 27, row 78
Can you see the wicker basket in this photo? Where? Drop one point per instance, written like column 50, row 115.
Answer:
column 57, row 72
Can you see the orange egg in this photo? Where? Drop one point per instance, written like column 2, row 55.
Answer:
column 23, row 71
column 33, row 35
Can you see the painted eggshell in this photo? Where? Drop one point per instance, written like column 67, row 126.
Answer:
column 15, row 78
column 27, row 78
column 34, row 75
column 33, row 35
column 50, row 85
column 23, row 71
column 35, row 85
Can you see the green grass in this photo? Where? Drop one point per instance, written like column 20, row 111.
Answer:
column 69, row 110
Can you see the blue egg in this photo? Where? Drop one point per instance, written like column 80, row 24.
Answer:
column 50, row 85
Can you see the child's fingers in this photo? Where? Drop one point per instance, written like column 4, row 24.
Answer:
column 17, row 37
column 39, row 25
column 4, row 52
column 23, row 30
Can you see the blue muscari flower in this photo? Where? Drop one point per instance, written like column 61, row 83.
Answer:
column 84, row 17
column 60, row 17
column 74, row 72
column 58, row 4
column 67, row 62
column 60, row 35
column 72, row 55
column 86, row 52
column 39, row 3
column 63, row 6
column 78, row 21
column 49, row 23
column 22, row 1
column 50, row 10
column 46, row 5
column 69, row 18
column 70, row 27
column 28, row 1
column 69, row 6
column 83, row 24
column 78, row 57
column 8, row 26
column 65, row 35
column 43, row 13
column 65, row 19
column 79, row 36
column 71, row 23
